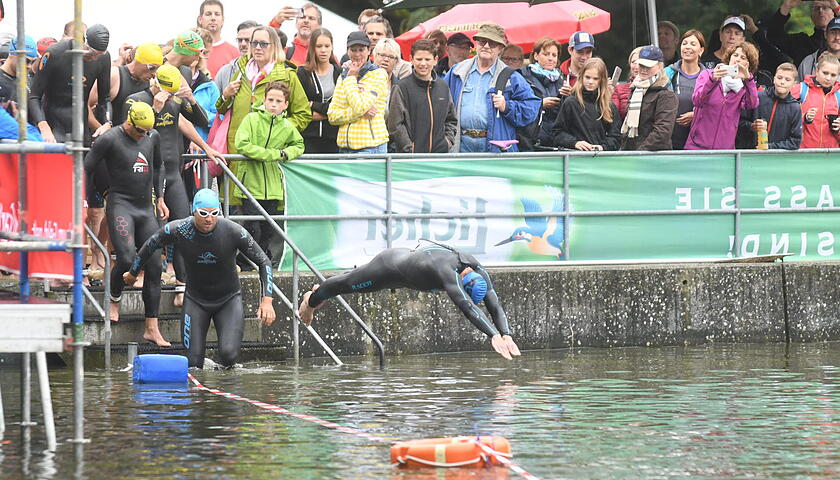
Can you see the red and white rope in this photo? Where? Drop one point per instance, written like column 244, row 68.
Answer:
column 500, row 457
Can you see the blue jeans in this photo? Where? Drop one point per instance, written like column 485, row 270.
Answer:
column 377, row 149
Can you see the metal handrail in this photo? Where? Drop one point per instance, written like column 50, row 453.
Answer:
column 229, row 174
column 106, row 286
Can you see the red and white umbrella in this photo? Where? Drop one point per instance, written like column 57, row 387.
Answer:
column 524, row 24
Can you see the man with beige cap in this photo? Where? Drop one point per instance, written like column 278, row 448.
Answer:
column 484, row 113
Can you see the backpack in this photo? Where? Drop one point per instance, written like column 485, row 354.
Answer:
column 803, row 93
column 528, row 135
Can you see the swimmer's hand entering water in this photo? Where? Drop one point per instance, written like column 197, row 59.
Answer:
column 505, row 346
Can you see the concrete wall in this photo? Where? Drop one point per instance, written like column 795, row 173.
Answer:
column 599, row 307
column 581, row 306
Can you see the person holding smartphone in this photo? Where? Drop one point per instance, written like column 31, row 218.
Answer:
column 546, row 81
column 719, row 96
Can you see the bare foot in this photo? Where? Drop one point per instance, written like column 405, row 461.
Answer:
column 306, row 312
column 152, row 333
column 178, row 300
column 114, row 313
column 139, row 282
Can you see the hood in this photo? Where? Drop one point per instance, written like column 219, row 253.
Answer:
column 367, row 67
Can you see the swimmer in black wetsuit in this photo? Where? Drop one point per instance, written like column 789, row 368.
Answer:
column 429, row 268
column 51, row 96
column 125, row 80
column 209, row 245
column 174, row 119
column 132, row 155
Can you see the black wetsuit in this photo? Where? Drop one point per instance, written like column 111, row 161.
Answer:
column 119, row 112
column 51, row 96
column 429, row 268
column 214, row 291
column 134, row 168
column 171, row 149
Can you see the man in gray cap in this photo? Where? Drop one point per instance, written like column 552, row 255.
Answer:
column 51, row 96
column 486, row 111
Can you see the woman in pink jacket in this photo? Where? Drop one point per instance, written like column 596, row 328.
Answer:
column 719, row 96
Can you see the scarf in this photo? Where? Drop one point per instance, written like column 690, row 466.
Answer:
column 550, row 75
column 634, row 110
column 255, row 75
column 731, row 84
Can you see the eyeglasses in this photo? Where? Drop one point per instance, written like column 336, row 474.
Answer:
column 262, row 45
column 816, row 8
column 483, row 41
column 152, row 68
column 392, row 58
column 142, row 131
column 208, row 213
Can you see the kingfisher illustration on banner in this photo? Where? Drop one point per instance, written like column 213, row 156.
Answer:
column 543, row 235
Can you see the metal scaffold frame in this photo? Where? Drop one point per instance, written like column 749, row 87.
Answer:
column 24, row 243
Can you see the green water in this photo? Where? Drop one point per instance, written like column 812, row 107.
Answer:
column 732, row 411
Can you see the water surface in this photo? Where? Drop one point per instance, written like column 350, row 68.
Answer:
column 709, row 412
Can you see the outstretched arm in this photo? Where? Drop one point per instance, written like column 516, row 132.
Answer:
column 452, row 285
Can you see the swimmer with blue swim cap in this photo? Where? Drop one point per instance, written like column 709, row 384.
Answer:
column 431, row 267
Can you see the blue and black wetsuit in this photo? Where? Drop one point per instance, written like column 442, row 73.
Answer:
column 430, row 268
column 171, row 147
column 214, row 291
column 134, row 170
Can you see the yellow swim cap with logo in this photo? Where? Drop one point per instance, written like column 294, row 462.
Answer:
column 141, row 115
column 149, row 54
column 169, row 78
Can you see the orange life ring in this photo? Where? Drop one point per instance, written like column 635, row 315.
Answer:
column 449, row 452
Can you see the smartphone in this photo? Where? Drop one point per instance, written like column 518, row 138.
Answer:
column 616, row 75
column 732, row 70
column 301, row 13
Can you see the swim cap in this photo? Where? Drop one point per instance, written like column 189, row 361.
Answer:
column 141, row 115
column 169, row 78
column 205, row 198
column 45, row 43
column 188, row 43
column 97, row 37
column 149, row 54
column 31, row 50
column 475, row 286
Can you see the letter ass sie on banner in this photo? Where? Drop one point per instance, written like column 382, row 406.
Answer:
column 50, row 210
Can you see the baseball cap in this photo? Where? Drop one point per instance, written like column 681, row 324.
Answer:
column 357, row 38
column 45, row 43
column 459, row 39
column 650, row 55
column 834, row 24
column 149, row 54
column 581, row 40
column 738, row 21
column 29, row 46
column 169, row 78
column 491, row 31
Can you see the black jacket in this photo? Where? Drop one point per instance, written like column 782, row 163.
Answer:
column 320, row 104
column 421, row 116
column 575, row 123
column 795, row 45
column 786, row 130
column 541, row 131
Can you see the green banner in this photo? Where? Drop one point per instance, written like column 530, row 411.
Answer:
column 620, row 201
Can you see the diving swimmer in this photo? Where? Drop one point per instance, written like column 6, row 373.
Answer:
column 429, row 268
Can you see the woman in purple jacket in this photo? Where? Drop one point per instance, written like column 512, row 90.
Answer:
column 719, row 96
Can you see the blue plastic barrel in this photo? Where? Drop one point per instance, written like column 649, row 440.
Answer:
column 158, row 368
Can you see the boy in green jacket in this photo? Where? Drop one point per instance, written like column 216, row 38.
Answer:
column 267, row 137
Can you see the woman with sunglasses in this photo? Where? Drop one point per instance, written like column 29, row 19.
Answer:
column 131, row 154
column 264, row 64
column 211, row 259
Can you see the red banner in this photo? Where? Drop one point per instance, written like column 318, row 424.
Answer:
column 50, row 210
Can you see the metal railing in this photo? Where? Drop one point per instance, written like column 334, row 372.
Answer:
column 264, row 216
column 104, row 310
column 389, row 217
